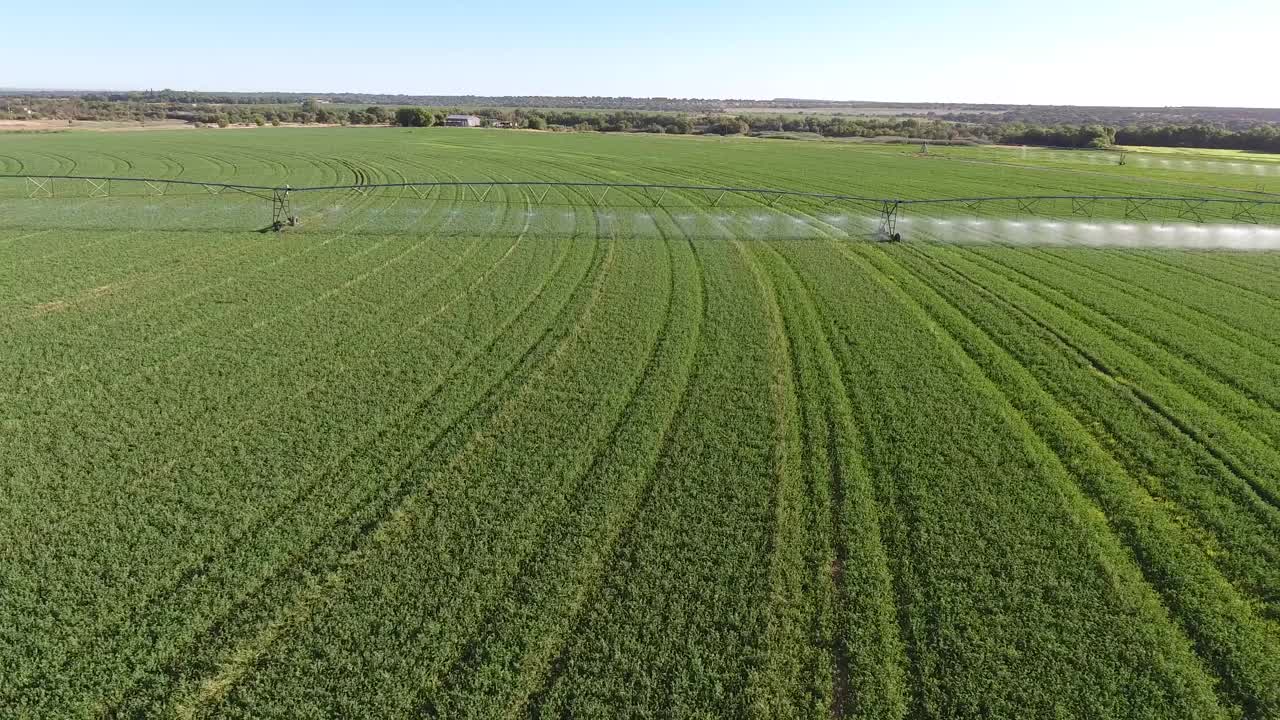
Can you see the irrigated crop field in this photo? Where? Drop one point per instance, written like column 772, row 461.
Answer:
column 425, row 458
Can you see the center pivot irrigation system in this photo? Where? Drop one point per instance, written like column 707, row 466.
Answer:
column 888, row 210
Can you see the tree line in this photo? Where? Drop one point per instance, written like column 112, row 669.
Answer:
column 1264, row 137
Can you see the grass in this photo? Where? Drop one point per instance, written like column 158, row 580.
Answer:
column 517, row 459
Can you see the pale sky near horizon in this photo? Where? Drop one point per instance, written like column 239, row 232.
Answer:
column 1088, row 52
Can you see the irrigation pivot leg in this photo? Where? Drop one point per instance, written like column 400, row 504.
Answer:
column 889, row 221
column 281, row 210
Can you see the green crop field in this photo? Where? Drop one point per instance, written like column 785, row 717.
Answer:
column 553, row 457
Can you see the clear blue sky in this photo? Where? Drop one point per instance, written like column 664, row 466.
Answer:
column 1106, row 52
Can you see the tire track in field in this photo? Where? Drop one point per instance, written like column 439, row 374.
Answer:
column 1097, row 540
column 223, row 169
column 24, row 236
column 118, row 163
column 1216, row 390
column 339, row 339
column 556, row 670
column 1096, row 465
column 474, row 284
column 1237, row 489
column 187, row 296
column 867, row 643
column 1255, row 264
column 790, row 552
column 1226, row 330
column 330, row 168
column 148, row 273
column 1204, row 277
column 540, row 566
column 438, row 222
column 508, row 408
column 266, row 401
column 33, row 233
column 387, row 427
column 171, row 162
column 1159, row 261
column 1256, row 344
column 1270, row 352
column 381, row 511
column 905, row 631
column 158, row 157
column 833, row 553
column 532, row 698
column 62, row 164
column 892, row 519
column 896, row 632
column 276, row 167
column 191, row 325
column 340, row 287
column 19, row 166
column 346, row 285
column 1258, row 488
column 108, row 236
column 215, row 255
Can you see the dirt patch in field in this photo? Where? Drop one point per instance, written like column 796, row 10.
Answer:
column 99, row 125
column 49, row 307
column 59, row 305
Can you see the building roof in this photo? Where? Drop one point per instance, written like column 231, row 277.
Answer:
column 462, row 117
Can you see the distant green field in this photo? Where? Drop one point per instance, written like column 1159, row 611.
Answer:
column 434, row 456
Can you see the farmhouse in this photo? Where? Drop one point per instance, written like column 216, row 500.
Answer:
column 462, row 121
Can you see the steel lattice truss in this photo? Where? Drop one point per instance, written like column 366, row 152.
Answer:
column 1259, row 209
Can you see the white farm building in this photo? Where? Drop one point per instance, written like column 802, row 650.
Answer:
column 462, row 121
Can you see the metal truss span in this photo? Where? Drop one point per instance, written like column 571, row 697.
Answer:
column 1149, row 208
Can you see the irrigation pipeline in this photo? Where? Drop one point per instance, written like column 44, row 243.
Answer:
column 1134, row 207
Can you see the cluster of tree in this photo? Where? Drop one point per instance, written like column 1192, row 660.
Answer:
column 727, row 126
column 308, row 113
column 61, row 108
column 1263, row 138
column 1240, row 129
column 417, row 117
column 618, row 121
column 866, row 127
column 81, row 108
column 622, row 121
column 1072, row 136
column 1043, row 115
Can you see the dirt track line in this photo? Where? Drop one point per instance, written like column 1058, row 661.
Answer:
column 224, row 680
column 156, row 599
column 1152, row 405
column 1134, row 497
column 556, row 668
column 593, row 567
column 1202, row 319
